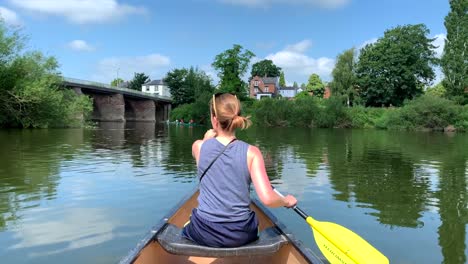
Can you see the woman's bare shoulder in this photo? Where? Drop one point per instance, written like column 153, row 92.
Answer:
column 253, row 153
column 253, row 150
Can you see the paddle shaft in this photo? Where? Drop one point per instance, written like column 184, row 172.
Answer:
column 300, row 212
column 297, row 209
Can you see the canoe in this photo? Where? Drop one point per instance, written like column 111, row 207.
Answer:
column 164, row 244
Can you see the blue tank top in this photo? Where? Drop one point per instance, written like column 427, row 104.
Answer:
column 225, row 188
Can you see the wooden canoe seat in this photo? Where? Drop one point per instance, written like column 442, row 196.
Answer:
column 269, row 242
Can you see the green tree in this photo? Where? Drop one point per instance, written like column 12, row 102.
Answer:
column 231, row 66
column 303, row 94
column 437, row 90
column 315, row 85
column 200, row 82
column 397, row 66
column 265, row 68
column 30, row 88
column 175, row 80
column 344, row 76
column 455, row 57
column 295, row 85
column 188, row 85
column 303, row 86
column 138, row 80
column 282, row 81
column 117, row 81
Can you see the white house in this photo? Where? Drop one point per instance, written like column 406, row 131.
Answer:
column 288, row 92
column 156, row 87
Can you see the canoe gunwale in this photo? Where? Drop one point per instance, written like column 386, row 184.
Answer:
column 150, row 236
column 155, row 230
column 307, row 253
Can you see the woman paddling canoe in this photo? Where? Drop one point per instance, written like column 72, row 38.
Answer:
column 223, row 199
column 226, row 167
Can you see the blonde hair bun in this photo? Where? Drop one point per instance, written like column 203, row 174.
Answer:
column 227, row 112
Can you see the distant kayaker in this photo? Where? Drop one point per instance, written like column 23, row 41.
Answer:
column 226, row 168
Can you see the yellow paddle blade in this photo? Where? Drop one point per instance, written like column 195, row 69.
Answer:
column 342, row 246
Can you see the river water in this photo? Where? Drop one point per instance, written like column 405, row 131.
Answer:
column 89, row 195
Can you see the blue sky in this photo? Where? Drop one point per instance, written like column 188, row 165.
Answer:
column 102, row 39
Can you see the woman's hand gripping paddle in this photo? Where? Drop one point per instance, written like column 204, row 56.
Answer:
column 341, row 245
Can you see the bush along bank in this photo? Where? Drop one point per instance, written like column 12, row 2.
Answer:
column 31, row 95
column 424, row 113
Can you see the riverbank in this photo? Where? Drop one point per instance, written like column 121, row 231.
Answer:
column 424, row 113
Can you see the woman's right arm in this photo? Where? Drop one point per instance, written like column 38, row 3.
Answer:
column 262, row 184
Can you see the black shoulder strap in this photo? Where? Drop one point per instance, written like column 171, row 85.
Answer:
column 209, row 166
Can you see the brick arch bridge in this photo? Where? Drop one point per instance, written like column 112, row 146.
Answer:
column 117, row 104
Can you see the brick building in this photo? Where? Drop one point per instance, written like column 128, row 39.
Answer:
column 263, row 87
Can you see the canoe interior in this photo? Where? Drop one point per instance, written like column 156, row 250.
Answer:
column 154, row 253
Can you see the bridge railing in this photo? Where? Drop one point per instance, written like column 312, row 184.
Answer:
column 107, row 86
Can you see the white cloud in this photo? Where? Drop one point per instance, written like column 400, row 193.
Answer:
column 439, row 42
column 80, row 45
column 298, row 66
column 9, row 16
column 125, row 67
column 255, row 60
column 80, row 11
column 268, row 3
column 299, row 47
column 365, row 43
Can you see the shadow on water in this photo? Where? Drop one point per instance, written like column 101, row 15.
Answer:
column 139, row 137
column 108, row 135
column 147, row 142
